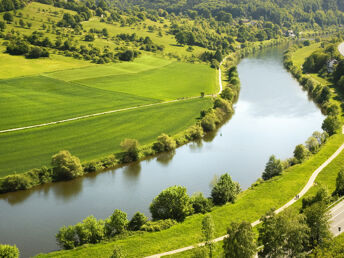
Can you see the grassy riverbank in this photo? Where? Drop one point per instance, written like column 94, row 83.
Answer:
column 251, row 205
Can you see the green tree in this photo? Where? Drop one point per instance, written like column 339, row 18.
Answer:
column 116, row 224
column 283, row 235
column 8, row 251
column 171, row 203
column 208, row 232
column 340, row 183
column 225, row 190
column 131, row 149
column 67, row 237
column 164, row 143
column 137, row 221
column 240, row 242
column 66, row 166
column 227, row 93
column 317, row 219
column 8, row 17
column 331, row 124
column 200, row 204
column 312, row 144
column 218, row 56
column 2, row 26
column 90, row 231
column 300, row 152
column 21, row 23
column 272, row 168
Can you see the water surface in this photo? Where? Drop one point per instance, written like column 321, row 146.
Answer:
column 272, row 116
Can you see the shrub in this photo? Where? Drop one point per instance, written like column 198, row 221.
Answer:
column 137, row 221
column 90, row 231
column 331, row 125
column 322, row 195
column 67, row 237
column 153, row 226
column 225, row 190
column 340, row 183
column 116, row 224
column 194, row 132
column 200, row 204
column 15, row 182
column 131, row 149
column 171, row 203
column 224, row 105
column 272, row 168
column 18, row 47
column 164, row 143
column 300, row 153
column 8, row 251
column 208, row 122
column 118, row 253
column 66, row 166
column 227, row 94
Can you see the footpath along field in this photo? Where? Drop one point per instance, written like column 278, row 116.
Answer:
column 81, row 91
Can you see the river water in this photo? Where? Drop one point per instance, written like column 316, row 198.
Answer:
column 272, row 116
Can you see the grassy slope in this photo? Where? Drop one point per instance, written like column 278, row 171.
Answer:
column 250, row 205
column 95, row 137
column 173, row 81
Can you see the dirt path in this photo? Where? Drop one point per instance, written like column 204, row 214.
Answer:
column 292, row 201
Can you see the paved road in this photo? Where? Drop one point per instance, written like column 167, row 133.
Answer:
column 341, row 48
column 303, row 191
column 108, row 112
column 337, row 218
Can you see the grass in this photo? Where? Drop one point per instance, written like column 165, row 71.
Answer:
column 96, row 137
column 250, row 206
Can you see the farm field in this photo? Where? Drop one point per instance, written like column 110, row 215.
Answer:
column 95, row 137
column 50, row 97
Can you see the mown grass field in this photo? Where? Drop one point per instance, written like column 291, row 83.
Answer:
column 95, row 137
column 250, row 206
column 53, row 96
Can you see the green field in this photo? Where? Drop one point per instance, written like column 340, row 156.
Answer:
column 95, row 137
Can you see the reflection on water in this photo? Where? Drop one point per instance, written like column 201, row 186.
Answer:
column 272, row 116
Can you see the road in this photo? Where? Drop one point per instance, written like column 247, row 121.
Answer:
column 341, row 48
column 108, row 112
column 338, row 219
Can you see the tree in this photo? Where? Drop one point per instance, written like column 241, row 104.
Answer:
column 164, row 143
column 2, row 26
column 218, row 56
column 300, row 153
column 8, row 251
column 90, row 231
column 240, row 242
column 17, row 47
column 67, row 237
column 137, row 221
column 131, row 149
column 181, row 38
column 331, row 124
column 321, row 137
column 227, row 93
column 283, row 235
column 340, row 183
column 312, row 144
column 272, row 168
column 317, row 219
column 208, row 232
column 8, row 17
column 116, row 224
column 21, row 23
column 200, row 204
column 225, row 190
column 171, row 203
column 66, row 166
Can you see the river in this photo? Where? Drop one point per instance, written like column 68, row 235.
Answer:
column 272, row 116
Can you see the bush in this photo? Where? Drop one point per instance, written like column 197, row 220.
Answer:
column 18, row 47
column 194, row 132
column 67, row 237
column 331, row 125
column 66, row 166
column 90, row 231
column 322, row 195
column 272, row 168
column 15, row 182
column 118, row 253
column 225, row 190
column 224, row 105
column 200, row 204
column 208, row 122
column 131, row 149
column 153, row 226
column 116, row 224
column 164, row 143
column 37, row 52
column 227, row 94
column 137, row 221
column 8, row 251
column 340, row 183
column 171, row 203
